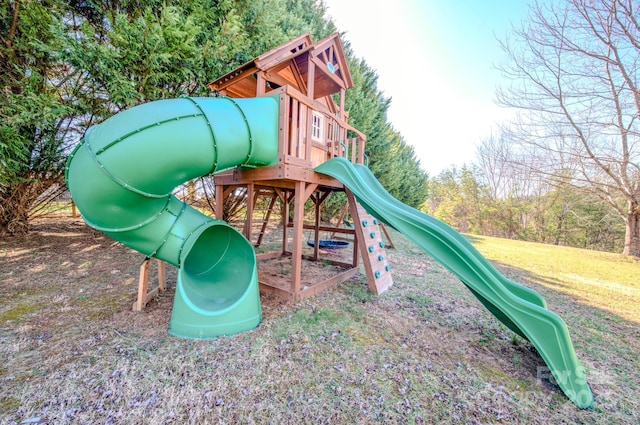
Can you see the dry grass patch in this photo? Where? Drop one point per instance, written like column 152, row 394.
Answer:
column 424, row 352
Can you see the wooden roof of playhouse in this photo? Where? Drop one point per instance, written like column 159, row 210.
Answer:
column 289, row 64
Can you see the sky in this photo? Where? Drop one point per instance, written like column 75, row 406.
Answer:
column 436, row 60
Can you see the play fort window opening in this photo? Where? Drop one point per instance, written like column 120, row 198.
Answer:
column 316, row 126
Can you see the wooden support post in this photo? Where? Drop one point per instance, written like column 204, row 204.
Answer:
column 298, row 225
column 260, row 84
column 389, row 244
column 266, row 219
column 248, row 224
column 285, row 222
column 219, row 202
column 144, row 295
column 316, row 227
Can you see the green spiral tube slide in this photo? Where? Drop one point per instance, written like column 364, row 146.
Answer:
column 521, row 309
column 122, row 175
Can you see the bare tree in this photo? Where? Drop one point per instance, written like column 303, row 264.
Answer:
column 506, row 171
column 574, row 77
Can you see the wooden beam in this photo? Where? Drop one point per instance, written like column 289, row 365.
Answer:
column 143, row 284
column 316, row 229
column 339, row 278
column 260, row 84
column 309, row 190
column 248, row 222
column 283, row 127
column 219, row 201
column 285, row 221
column 267, row 287
column 268, row 256
column 298, row 221
column 389, row 244
column 266, row 218
column 144, row 295
column 311, row 76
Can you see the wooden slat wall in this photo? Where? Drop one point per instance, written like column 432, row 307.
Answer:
column 295, row 144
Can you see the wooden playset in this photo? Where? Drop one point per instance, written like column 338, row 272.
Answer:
column 310, row 80
column 313, row 128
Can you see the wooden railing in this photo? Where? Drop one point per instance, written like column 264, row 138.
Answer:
column 311, row 134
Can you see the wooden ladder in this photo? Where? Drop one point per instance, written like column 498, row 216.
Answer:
column 372, row 247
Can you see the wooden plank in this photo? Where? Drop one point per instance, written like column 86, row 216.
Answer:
column 301, row 162
column 143, row 284
column 307, row 137
column 162, row 275
column 144, row 295
column 265, row 222
column 389, row 244
column 294, row 132
column 268, row 256
column 304, row 132
column 296, row 249
column 283, row 126
column 328, row 261
column 248, row 222
column 329, row 229
column 311, row 77
column 311, row 187
column 249, row 175
column 284, row 175
column 312, row 290
column 260, row 84
column 233, row 77
column 285, row 222
column 267, row 287
column 219, row 201
column 316, row 226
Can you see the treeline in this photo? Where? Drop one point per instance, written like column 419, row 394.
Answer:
column 496, row 196
column 67, row 65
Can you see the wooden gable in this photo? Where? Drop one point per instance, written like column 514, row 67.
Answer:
column 332, row 69
column 289, row 64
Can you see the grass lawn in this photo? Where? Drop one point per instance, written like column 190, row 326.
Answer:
column 424, row 352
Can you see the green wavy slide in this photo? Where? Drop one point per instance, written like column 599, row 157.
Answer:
column 122, row 176
column 521, row 309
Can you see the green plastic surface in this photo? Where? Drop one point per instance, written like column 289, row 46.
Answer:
column 122, row 175
column 518, row 307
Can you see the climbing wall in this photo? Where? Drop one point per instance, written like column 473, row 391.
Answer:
column 374, row 256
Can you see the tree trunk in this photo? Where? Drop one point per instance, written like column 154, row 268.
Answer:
column 16, row 201
column 14, row 211
column 632, row 231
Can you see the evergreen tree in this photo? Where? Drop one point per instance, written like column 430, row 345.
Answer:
column 68, row 65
